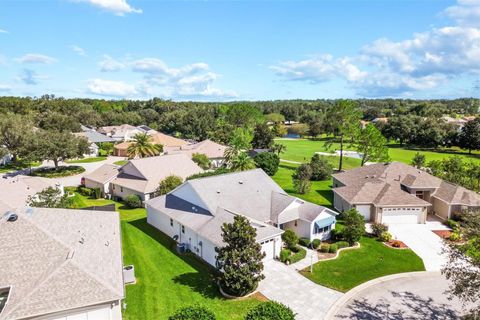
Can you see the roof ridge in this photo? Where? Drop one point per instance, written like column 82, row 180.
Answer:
column 226, row 174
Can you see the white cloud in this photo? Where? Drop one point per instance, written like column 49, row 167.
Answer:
column 118, row 7
column 3, row 31
column 384, row 67
column 109, row 64
column 78, row 50
column 36, row 58
column 5, row 88
column 110, row 88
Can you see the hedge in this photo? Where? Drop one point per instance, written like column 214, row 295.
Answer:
column 342, row 244
column 270, row 310
column 284, row 254
column 133, row 201
column 304, row 242
column 297, row 256
column 324, row 247
column 316, row 243
column 193, row 313
column 61, row 171
column 333, row 248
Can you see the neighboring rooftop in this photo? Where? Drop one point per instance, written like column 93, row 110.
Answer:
column 104, row 173
column 207, row 147
column 59, row 259
column 94, row 136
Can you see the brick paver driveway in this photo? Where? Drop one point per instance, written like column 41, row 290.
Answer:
column 307, row 299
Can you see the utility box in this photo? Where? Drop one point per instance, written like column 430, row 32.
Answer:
column 129, row 274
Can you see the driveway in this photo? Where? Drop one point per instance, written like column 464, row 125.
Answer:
column 417, row 295
column 307, row 299
column 426, row 244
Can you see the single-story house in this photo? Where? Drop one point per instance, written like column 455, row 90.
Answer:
column 60, row 264
column 120, row 150
column 398, row 193
column 101, row 178
column 94, row 138
column 142, row 176
column 214, row 151
column 124, row 132
column 15, row 191
column 194, row 212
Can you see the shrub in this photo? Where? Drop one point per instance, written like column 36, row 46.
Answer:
column 96, row 193
column 193, row 313
column 342, row 244
column 290, row 239
column 284, row 254
column 298, row 255
column 268, row 162
column 301, row 179
column 336, row 235
column 321, row 168
column 84, row 191
column 354, row 226
column 396, row 244
column 270, row 310
column 385, row 236
column 133, row 201
column 455, row 225
column 379, row 228
column 316, row 243
column 201, row 160
column 455, row 236
column 61, row 171
column 304, row 242
column 333, row 248
column 324, row 247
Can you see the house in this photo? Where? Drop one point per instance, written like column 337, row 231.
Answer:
column 194, row 212
column 380, row 119
column 142, row 176
column 124, row 132
column 15, row 191
column 6, row 159
column 214, row 151
column 95, row 139
column 398, row 193
column 120, row 150
column 60, row 264
column 101, row 178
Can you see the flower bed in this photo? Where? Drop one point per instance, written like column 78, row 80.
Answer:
column 61, row 171
column 396, row 244
column 292, row 256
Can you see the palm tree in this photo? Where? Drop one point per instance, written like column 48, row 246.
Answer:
column 142, row 147
column 242, row 162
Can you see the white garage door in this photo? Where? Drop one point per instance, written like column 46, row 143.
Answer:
column 364, row 210
column 269, row 248
column 402, row 215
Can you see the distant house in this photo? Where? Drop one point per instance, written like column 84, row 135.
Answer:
column 167, row 141
column 214, row 151
column 101, row 178
column 60, row 264
column 398, row 193
column 14, row 191
column 194, row 212
column 380, row 119
column 124, row 132
column 95, row 139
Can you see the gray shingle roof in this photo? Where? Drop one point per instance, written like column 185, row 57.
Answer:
column 94, row 136
column 59, row 259
column 104, row 173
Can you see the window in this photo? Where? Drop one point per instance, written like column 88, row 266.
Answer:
column 113, row 186
column 183, row 229
column 295, row 223
column 121, row 189
column 171, row 222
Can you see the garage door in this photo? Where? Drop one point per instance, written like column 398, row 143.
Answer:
column 364, row 210
column 401, row 215
column 269, row 248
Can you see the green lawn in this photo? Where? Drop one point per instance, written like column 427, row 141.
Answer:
column 121, row 162
column 165, row 280
column 87, row 160
column 356, row 266
column 320, row 192
column 302, row 150
column 18, row 166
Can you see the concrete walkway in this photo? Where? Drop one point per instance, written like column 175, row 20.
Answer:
column 426, row 244
column 414, row 295
column 310, row 258
column 285, row 285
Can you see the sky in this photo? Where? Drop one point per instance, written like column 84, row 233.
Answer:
column 240, row 50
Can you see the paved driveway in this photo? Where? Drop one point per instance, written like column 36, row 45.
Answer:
column 419, row 295
column 307, row 299
column 426, row 244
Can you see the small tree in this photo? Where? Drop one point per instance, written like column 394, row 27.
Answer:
column 301, row 179
column 202, row 160
column 168, row 184
column 378, row 228
column 372, row 145
column 470, row 135
column 354, row 226
column 267, row 161
column 241, row 162
column 193, row 313
column 279, row 148
column 321, row 168
column 270, row 310
column 240, row 260
column 290, row 238
column 50, row 197
column 142, row 146
column 419, row 160
column 262, row 137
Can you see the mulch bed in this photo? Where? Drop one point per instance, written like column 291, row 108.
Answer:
column 445, row 234
column 259, row 297
column 390, row 244
column 325, row 255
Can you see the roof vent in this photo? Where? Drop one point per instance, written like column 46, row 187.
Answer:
column 11, row 216
column 218, row 191
column 240, row 182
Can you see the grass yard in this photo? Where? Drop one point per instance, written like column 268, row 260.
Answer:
column 302, row 150
column 121, row 162
column 165, row 280
column 87, row 160
column 356, row 266
column 320, row 192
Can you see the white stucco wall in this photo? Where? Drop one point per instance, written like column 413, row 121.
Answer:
column 104, row 187
column 122, row 192
column 107, row 311
column 302, row 228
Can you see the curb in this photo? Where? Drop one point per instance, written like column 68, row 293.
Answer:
column 349, row 294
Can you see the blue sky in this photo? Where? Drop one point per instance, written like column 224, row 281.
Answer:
column 231, row 50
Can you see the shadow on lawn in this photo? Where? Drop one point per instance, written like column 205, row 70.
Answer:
column 400, row 306
column 201, row 281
